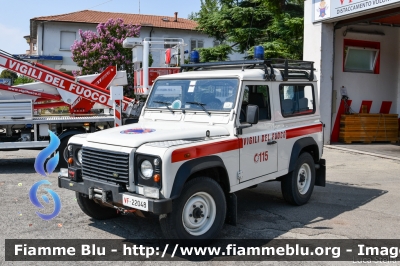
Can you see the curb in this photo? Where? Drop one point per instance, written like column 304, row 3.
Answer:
column 362, row 152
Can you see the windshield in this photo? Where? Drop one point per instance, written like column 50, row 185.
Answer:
column 192, row 94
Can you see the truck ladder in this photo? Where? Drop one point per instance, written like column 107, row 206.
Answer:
column 62, row 81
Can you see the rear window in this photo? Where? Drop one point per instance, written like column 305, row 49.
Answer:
column 297, row 99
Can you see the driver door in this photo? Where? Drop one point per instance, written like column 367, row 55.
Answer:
column 259, row 154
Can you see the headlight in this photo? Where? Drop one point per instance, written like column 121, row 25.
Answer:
column 147, row 169
column 79, row 156
column 70, row 147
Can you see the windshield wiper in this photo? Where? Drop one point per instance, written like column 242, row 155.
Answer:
column 202, row 106
column 166, row 104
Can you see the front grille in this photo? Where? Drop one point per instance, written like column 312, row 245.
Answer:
column 105, row 165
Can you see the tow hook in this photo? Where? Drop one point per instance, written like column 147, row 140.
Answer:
column 106, row 196
column 120, row 209
column 127, row 211
column 124, row 211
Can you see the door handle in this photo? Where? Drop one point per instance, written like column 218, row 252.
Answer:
column 271, row 142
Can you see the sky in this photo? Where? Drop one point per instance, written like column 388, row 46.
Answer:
column 16, row 14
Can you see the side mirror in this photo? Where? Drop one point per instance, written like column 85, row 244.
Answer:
column 252, row 114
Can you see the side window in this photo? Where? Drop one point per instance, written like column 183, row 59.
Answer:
column 194, row 44
column 297, row 100
column 256, row 95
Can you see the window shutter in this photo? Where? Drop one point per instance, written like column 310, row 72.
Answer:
column 67, row 39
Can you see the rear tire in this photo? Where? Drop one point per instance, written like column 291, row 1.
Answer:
column 297, row 186
column 198, row 213
column 94, row 210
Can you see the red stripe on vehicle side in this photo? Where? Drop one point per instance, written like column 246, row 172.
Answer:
column 205, row 150
column 297, row 132
column 230, row 145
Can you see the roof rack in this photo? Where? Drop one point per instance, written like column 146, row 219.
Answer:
column 286, row 64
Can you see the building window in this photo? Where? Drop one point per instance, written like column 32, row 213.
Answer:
column 170, row 45
column 194, row 44
column 360, row 59
column 216, row 43
column 361, row 56
column 67, row 38
column 296, row 100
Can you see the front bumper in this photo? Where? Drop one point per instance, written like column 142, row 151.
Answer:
column 114, row 193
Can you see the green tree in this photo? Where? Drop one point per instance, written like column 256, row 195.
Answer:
column 218, row 53
column 8, row 74
column 277, row 25
column 23, row 80
column 192, row 16
column 95, row 51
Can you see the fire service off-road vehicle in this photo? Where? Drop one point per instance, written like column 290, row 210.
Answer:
column 203, row 134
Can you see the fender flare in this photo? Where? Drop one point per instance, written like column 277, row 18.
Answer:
column 191, row 167
column 298, row 146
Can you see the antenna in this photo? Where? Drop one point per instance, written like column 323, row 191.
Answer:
column 139, row 6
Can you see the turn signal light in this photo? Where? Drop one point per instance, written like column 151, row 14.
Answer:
column 156, row 178
column 70, row 160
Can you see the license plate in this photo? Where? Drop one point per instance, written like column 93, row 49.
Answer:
column 135, row 202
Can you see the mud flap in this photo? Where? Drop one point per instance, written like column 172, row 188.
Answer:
column 231, row 211
column 320, row 178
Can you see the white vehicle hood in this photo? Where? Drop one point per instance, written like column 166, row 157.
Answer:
column 134, row 135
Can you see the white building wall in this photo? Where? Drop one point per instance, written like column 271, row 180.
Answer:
column 318, row 47
column 312, row 38
column 326, row 77
column 373, row 87
column 50, row 44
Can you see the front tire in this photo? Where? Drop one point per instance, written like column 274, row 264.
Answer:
column 199, row 212
column 298, row 185
column 62, row 163
column 94, row 210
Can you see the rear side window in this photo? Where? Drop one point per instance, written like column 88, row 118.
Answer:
column 297, row 99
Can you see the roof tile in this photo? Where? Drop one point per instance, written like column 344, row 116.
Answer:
column 91, row 16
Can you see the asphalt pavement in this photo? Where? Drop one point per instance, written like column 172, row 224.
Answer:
column 360, row 201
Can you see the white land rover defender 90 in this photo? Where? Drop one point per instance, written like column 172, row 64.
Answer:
column 203, row 134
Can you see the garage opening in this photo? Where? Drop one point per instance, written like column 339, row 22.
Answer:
column 367, row 72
